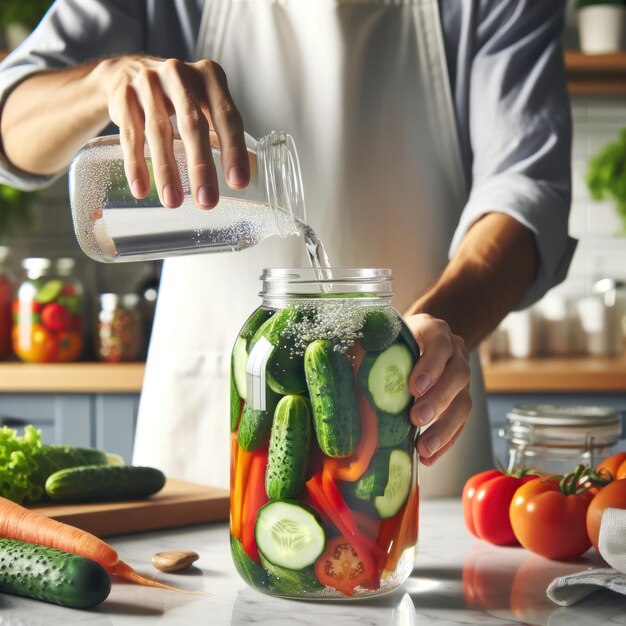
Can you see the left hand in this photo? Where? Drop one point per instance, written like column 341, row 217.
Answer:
column 440, row 383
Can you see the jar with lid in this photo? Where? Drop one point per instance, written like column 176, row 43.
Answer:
column 48, row 314
column 119, row 329
column 557, row 438
column 6, row 298
column 324, row 489
column 111, row 225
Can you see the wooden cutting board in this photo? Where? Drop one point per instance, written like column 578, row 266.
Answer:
column 179, row 503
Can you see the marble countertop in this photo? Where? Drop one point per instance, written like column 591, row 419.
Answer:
column 457, row 580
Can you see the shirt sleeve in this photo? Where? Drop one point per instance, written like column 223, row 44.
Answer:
column 520, row 131
column 71, row 32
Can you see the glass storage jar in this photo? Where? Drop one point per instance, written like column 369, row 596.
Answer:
column 119, row 329
column 111, row 225
column 557, row 438
column 6, row 297
column 48, row 314
column 324, row 487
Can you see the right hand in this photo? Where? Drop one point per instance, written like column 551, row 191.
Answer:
column 142, row 93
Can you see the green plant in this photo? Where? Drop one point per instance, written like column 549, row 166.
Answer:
column 606, row 176
column 15, row 211
column 25, row 12
column 581, row 4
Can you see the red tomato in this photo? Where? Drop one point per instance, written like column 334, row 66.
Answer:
column 612, row 496
column 56, row 317
column 70, row 346
column 486, row 500
column 549, row 522
column 612, row 465
column 341, row 567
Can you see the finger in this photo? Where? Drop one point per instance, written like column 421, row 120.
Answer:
column 427, row 462
column 160, row 136
column 436, row 346
column 439, row 396
column 127, row 114
column 443, row 429
column 194, row 131
column 227, row 123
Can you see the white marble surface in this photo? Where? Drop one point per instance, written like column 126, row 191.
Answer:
column 457, row 580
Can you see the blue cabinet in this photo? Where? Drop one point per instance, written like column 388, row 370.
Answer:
column 105, row 421
column 500, row 404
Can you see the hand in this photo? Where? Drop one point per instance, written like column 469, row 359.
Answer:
column 440, row 383
column 142, row 93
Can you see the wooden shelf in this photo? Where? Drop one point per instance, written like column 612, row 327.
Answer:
column 591, row 74
column 71, row 377
column 550, row 374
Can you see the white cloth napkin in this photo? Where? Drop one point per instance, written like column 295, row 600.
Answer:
column 568, row 590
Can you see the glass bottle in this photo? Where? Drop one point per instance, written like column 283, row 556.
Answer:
column 48, row 320
column 6, row 297
column 556, row 438
column 112, row 225
column 324, row 488
column 119, row 331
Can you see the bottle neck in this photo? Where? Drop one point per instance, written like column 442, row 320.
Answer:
column 279, row 170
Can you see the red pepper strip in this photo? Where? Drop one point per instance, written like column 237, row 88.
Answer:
column 351, row 534
column 368, row 526
column 255, row 498
column 353, row 467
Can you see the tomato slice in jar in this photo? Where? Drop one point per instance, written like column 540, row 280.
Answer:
column 341, row 567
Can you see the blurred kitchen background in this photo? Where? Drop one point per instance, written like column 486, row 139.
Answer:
column 569, row 348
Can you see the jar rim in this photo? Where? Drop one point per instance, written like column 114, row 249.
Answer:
column 364, row 283
column 563, row 415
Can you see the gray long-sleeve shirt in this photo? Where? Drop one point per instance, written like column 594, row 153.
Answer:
column 506, row 74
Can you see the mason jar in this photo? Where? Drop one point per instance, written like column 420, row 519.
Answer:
column 556, row 438
column 111, row 225
column 324, row 488
column 48, row 314
column 119, row 329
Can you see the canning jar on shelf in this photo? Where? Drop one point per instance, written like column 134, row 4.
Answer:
column 324, row 490
column 6, row 297
column 48, row 314
column 119, row 329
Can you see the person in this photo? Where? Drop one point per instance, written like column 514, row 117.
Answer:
column 434, row 139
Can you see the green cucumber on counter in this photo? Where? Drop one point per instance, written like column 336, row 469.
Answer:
column 290, row 444
column 384, row 376
column 248, row 569
column 380, row 330
column 289, row 534
column 333, row 396
column 290, row 582
column 93, row 483
column 284, row 370
column 51, row 575
column 255, row 425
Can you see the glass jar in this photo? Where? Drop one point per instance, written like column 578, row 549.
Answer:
column 324, row 489
column 112, row 225
column 6, row 297
column 48, row 314
column 119, row 331
column 557, row 438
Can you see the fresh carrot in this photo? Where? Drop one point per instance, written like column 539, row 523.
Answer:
column 233, row 467
column 17, row 522
column 242, row 471
column 256, row 497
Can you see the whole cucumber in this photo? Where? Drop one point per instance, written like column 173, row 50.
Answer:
column 333, row 398
column 51, row 575
column 290, row 443
column 92, row 483
column 255, row 425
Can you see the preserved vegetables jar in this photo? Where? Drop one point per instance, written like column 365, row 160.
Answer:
column 48, row 314
column 119, row 330
column 6, row 296
column 324, row 490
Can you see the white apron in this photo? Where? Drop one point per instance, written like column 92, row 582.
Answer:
column 362, row 86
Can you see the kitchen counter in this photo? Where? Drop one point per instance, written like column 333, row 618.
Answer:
column 457, row 580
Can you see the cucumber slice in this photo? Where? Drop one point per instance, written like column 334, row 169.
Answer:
column 398, row 485
column 240, row 360
column 384, row 377
column 288, row 534
column 49, row 291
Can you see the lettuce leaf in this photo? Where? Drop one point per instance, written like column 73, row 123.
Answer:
column 18, row 461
